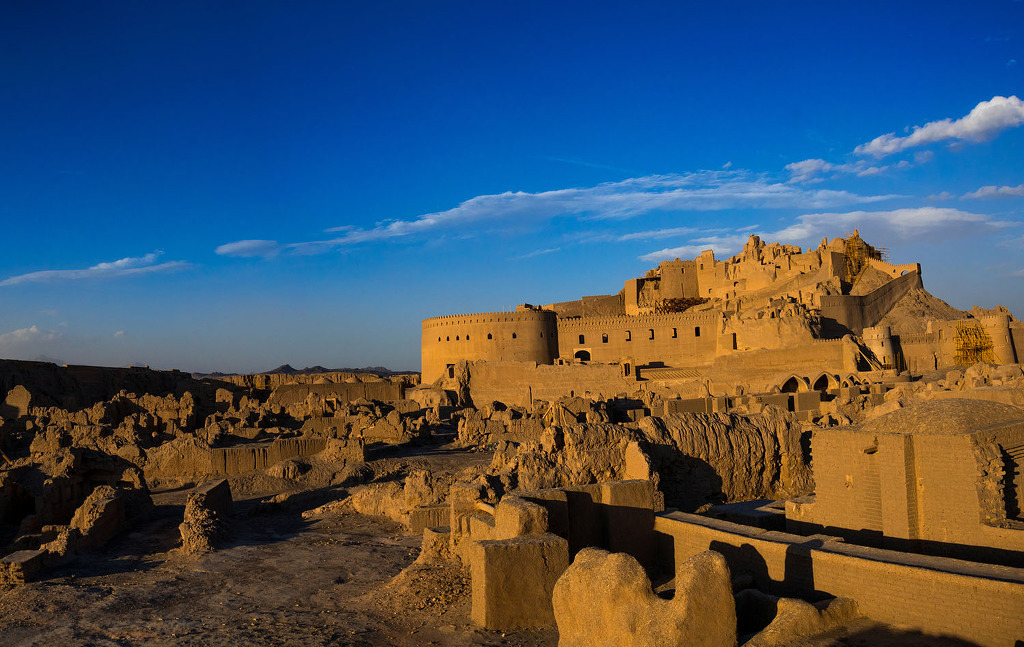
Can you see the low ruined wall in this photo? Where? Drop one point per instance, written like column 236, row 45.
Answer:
column 977, row 602
column 267, row 381
column 519, row 383
column 75, row 387
column 291, row 394
column 176, row 463
column 229, row 461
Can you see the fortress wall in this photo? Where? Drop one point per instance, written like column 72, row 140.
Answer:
column 685, row 348
column 939, row 596
column 806, row 359
column 1017, row 335
column 921, row 352
column 524, row 336
column 516, row 382
column 859, row 312
column 894, row 270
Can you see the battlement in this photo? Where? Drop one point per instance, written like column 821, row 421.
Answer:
column 644, row 320
column 489, row 317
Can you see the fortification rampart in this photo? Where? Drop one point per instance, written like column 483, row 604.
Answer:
column 892, row 269
column 523, row 336
column 859, row 312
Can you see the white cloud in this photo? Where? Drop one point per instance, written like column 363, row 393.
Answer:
column 721, row 245
column 123, row 267
column 898, row 225
column 701, row 191
column 996, row 192
column 923, row 157
column 984, row 122
column 810, row 170
column 249, row 248
column 895, row 226
column 23, row 336
column 944, row 195
column 119, row 333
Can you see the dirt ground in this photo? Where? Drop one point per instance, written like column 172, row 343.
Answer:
column 283, row 581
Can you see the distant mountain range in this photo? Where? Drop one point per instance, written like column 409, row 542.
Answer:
column 288, row 369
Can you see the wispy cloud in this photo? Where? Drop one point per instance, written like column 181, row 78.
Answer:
column 655, row 234
column 124, row 267
column 984, row 122
column 810, row 170
column 700, row 191
column 538, row 252
column 721, row 245
column 943, row 195
column 894, row 226
column 996, row 192
column 23, row 336
column 249, row 248
column 119, row 333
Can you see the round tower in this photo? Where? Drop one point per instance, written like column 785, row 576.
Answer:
column 997, row 327
column 879, row 341
column 529, row 335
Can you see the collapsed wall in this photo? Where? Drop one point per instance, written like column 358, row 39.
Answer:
column 694, row 459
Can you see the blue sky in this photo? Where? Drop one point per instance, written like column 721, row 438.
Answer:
column 235, row 185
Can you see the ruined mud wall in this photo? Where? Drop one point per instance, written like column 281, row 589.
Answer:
column 76, row 387
column 702, row 457
column 268, row 381
column 290, row 394
column 694, row 459
column 520, row 383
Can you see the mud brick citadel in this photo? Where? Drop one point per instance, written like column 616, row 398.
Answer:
column 786, row 447
column 774, row 317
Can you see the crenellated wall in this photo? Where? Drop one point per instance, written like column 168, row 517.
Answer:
column 522, row 336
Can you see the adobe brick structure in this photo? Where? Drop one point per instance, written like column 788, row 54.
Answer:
column 739, row 322
column 943, row 477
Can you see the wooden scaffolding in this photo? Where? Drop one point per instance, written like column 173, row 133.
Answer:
column 973, row 344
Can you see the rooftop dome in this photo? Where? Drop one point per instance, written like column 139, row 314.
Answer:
column 944, row 418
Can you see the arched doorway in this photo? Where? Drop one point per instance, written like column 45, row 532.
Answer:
column 792, row 385
column 821, row 384
column 582, row 355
